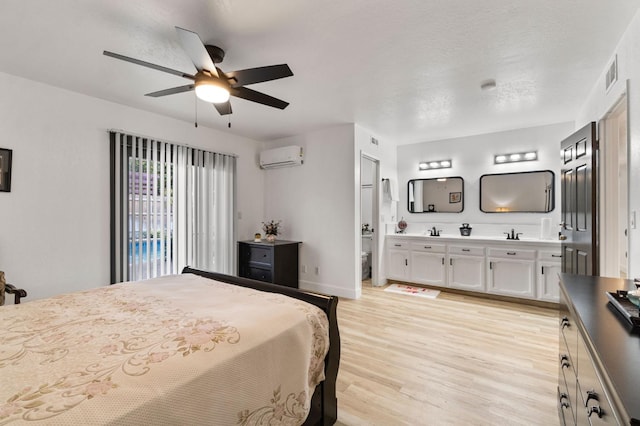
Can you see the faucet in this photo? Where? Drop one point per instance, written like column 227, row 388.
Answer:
column 434, row 232
column 513, row 235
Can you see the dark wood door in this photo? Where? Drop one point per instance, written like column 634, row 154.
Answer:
column 579, row 202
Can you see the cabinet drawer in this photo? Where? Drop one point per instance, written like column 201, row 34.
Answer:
column 258, row 274
column 433, row 248
column 552, row 255
column 592, row 397
column 512, row 254
column 396, row 244
column 469, row 251
column 260, row 254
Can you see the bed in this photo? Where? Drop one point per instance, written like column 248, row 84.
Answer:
column 194, row 348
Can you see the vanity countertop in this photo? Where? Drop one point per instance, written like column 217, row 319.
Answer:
column 452, row 238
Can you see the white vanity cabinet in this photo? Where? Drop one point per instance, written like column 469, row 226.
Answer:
column 398, row 260
column 427, row 263
column 549, row 266
column 466, row 268
column 511, row 272
column 525, row 268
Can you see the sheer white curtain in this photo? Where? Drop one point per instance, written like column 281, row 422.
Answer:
column 171, row 206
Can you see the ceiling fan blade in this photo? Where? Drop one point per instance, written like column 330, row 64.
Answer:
column 260, row 74
column 261, row 98
column 194, row 47
column 172, row 91
column 224, row 109
column 148, row 65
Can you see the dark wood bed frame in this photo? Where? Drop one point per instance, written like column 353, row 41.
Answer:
column 324, row 405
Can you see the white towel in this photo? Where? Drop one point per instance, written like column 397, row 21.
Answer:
column 389, row 192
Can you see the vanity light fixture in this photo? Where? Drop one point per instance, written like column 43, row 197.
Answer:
column 429, row 165
column 515, row 157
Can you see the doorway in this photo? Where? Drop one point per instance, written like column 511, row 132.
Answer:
column 614, row 179
column 369, row 201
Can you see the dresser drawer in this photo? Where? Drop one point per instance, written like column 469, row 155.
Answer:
column 512, row 254
column 433, row 248
column 257, row 274
column 260, row 254
column 469, row 251
column 592, row 398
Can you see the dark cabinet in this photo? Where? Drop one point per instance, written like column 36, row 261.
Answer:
column 275, row 262
column 599, row 360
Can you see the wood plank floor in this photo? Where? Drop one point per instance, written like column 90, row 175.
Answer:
column 453, row 360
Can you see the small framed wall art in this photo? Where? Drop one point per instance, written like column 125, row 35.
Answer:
column 5, row 170
column 455, row 197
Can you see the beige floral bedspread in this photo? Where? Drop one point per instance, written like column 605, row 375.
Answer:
column 173, row 350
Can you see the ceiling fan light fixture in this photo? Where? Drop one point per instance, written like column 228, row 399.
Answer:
column 212, row 92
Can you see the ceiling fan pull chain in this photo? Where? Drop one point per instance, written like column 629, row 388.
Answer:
column 196, row 100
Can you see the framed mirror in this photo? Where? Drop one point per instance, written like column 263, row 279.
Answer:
column 524, row 192
column 437, row 195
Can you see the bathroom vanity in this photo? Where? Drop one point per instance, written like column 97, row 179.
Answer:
column 525, row 269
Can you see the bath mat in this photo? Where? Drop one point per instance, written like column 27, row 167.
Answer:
column 413, row 291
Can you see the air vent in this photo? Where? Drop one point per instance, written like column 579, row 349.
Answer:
column 612, row 74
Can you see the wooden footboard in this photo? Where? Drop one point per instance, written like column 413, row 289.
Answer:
column 324, row 405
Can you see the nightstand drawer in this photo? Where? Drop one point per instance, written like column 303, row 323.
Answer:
column 260, row 254
column 258, row 274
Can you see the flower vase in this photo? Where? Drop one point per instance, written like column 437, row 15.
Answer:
column 271, row 238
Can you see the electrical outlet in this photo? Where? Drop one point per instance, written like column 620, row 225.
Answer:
column 317, row 270
column 633, row 220
column 239, row 215
column 304, row 269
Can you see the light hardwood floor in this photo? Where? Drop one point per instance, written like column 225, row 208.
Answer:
column 453, row 360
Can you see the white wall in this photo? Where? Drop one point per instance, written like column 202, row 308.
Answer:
column 314, row 201
column 319, row 204
column 54, row 224
column 471, row 158
column 599, row 102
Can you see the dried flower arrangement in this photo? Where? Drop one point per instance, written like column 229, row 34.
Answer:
column 271, row 227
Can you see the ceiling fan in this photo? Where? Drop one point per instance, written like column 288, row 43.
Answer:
column 210, row 83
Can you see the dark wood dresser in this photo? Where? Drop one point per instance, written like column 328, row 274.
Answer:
column 599, row 362
column 275, row 262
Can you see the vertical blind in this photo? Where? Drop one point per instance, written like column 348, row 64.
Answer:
column 171, row 206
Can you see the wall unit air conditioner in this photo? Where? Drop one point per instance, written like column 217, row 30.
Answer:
column 281, row 157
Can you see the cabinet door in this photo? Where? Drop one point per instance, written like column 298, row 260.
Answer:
column 398, row 264
column 548, row 281
column 466, row 272
column 511, row 277
column 427, row 268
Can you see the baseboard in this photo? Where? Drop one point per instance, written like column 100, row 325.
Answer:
column 329, row 289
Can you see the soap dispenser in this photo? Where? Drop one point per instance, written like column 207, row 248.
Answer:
column 465, row 230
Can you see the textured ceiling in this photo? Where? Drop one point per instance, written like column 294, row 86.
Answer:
column 407, row 70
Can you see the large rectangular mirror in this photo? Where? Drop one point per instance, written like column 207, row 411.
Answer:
column 437, row 195
column 524, row 192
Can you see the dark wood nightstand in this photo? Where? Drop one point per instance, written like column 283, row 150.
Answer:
column 275, row 262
